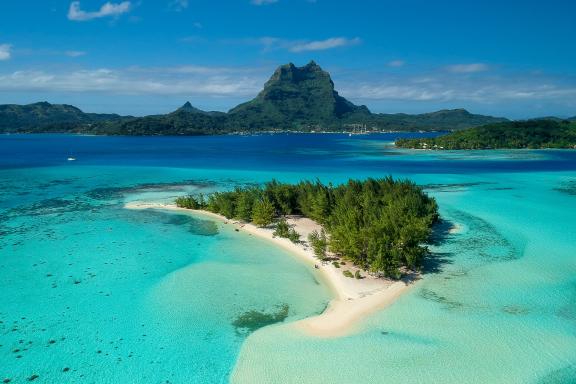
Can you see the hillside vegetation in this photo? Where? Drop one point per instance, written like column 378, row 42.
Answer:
column 293, row 99
column 46, row 117
column 512, row 134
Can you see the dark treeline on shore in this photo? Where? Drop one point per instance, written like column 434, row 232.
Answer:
column 533, row 134
column 378, row 224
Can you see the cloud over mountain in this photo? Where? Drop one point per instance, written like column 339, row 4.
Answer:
column 108, row 9
column 5, row 52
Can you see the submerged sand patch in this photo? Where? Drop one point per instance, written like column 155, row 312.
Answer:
column 354, row 299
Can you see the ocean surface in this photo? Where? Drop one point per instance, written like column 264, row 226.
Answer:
column 93, row 293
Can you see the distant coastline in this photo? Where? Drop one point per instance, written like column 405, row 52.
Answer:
column 237, row 133
column 301, row 99
column 353, row 300
column 529, row 134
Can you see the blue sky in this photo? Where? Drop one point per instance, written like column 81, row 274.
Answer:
column 507, row 58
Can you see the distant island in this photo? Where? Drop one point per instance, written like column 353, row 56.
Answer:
column 380, row 225
column 300, row 99
column 531, row 134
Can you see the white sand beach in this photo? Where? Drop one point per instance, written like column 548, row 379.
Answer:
column 353, row 300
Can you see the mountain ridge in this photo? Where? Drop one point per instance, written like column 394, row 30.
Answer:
column 45, row 114
column 301, row 94
column 293, row 99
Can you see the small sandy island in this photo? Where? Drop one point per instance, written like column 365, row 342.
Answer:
column 353, row 299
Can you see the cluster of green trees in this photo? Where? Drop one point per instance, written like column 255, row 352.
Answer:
column 191, row 202
column 283, row 229
column 378, row 224
column 514, row 134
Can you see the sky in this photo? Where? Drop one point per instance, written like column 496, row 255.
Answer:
column 505, row 58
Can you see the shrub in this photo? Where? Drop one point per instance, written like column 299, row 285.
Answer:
column 245, row 200
column 319, row 243
column 263, row 212
column 377, row 224
column 335, row 264
column 190, row 202
column 357, row 274
column 293, row 235
column 282, row 228
column 347, row 273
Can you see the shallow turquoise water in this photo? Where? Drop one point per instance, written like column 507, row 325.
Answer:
column 131, row 296
column 501, row 308
column 148, row 296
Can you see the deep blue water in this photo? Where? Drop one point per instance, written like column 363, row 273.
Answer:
column 288, row 152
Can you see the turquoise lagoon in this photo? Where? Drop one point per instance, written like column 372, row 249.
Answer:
column 94, row 293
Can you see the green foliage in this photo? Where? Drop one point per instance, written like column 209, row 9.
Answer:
column 514, row 134
column 223, row 203
column 296, row 96
column 347, row 273
column 263, row 212
column 46, row 117
column 357, row 274
column 293, row 236
column 282, row 228
column 191, row 202
column 336, row 264
column 378, row 224
column 319, row 243
column 284, row 112
column 244, row 202
column 283, row 196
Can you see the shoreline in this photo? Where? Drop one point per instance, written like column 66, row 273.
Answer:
column 353, row 299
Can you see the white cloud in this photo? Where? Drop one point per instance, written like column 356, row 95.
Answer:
column 263, row 2
column 396, row 63
column 271, row 43
column 193, row 39
column 468, row 68
column 178, row 5
column 452, row 88
column 425, row 90
column 108, row 9
column 5, row 52
column 320, row 45
column 74, row 53
column 189, row 81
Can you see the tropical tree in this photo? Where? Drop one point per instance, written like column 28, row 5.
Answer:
column 263, row 212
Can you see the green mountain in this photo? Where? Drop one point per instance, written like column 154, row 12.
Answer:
column 512, row 134
column 189, row 108
column 186, row 120
column 293, row 99
column 444, row 120
column 46, row 117
column 554, row 118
